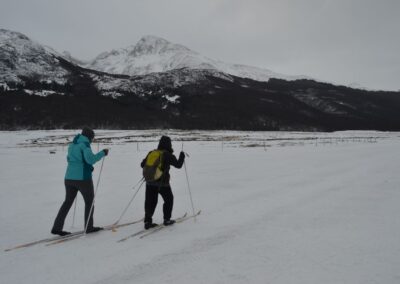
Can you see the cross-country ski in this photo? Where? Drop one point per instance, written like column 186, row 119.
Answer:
column 74, row 234
column 71, row 237
column 143, row 231
column 160, row 227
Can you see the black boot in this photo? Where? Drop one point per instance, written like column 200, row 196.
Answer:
column 93, row 229
column 169, row 222
column 60, row 233
column 149, row 225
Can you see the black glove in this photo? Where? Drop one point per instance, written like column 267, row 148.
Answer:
column 105, row 151
column 182, row 156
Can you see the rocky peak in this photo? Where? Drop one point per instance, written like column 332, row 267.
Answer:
column 150, row 45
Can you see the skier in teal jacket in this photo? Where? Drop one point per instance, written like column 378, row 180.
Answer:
column 78, row 177
column 81, row 158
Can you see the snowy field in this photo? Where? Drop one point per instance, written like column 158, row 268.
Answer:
column 277, row 207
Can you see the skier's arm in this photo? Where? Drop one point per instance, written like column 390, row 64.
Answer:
column 91, row 158
column 177, row 163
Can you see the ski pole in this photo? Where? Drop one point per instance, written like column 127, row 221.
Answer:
column 94, row 196
column 187, row 180
column 140, row 183
column 186, row 154
column 190, row 193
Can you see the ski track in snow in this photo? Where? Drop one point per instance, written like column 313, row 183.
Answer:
column 294, row 214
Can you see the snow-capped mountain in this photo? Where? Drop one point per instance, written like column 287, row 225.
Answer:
column 21, row 57
column 40, row 88
column 154, row 54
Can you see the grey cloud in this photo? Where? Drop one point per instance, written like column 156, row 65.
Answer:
column 342, row 41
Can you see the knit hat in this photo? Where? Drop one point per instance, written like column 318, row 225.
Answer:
column 88, row 132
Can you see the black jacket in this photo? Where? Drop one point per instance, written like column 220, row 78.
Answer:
column 168, row 159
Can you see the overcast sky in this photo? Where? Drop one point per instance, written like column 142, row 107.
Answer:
column 341, row 41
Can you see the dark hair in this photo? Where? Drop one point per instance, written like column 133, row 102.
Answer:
column 88, row 132
column 165, row 144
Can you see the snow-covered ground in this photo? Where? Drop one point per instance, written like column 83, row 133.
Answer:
column 277, row 207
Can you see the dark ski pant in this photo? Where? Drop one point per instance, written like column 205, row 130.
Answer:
column 85, row 187
column 151, row 200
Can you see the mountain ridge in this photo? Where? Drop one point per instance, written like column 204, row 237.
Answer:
column 154, row 54
column 43, row 89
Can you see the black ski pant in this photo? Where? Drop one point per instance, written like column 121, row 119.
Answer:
column 151, row 200
column 85, row 187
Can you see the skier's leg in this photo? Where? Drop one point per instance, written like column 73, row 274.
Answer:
column 86, row 189
column 70, row 194
column 150, row 202
column 168, row 197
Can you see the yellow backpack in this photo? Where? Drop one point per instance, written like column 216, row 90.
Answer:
column 152, row 170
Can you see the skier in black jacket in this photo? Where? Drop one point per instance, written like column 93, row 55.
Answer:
column 162, row 185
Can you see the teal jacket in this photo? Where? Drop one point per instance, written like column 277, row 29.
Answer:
column 81, row 158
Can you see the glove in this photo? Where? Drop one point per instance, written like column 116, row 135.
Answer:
column 105, row 151
column 182, row 156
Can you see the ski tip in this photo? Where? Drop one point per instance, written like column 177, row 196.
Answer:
column 124, row 239
column 14, row 248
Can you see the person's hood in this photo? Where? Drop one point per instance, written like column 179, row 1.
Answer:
column 165, row 144
column 80, row 139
